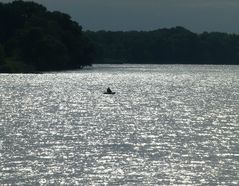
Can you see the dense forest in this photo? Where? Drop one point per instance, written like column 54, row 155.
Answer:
column 33, row 39
column 174, row 45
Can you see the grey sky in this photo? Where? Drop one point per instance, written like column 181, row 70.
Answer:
column 196, row 15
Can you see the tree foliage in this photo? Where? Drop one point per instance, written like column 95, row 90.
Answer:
column 174, row 45
column 35, row 39
column 42, row 40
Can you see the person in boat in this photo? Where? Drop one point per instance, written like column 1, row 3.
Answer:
column 109, row 90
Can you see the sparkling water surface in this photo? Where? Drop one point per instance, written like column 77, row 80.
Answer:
column 166, row 125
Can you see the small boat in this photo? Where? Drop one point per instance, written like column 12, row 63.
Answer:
column 109, row 92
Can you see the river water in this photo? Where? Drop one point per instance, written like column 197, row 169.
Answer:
column 166, row 125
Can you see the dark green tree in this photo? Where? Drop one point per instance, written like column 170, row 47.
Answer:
column 174, row 45
column 42, row 40
column 1, row 55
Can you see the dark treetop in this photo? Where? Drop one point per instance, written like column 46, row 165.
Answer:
column 34, row 39
column 175, row 45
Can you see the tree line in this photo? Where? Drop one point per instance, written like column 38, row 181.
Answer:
column 33, row 39
column 174, row 45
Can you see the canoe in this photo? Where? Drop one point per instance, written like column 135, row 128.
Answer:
column 109, row 92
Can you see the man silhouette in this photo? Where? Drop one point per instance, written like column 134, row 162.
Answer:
column 109, row 90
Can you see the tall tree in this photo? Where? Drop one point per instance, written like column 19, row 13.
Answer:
column 43, row 40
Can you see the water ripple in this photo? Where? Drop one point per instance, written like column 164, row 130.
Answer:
column 167, row 124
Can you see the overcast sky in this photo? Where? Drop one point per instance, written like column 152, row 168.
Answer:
column 196, row 15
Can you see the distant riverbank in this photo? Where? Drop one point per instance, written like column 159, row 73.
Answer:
column 165, row 46
column 35, row 40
